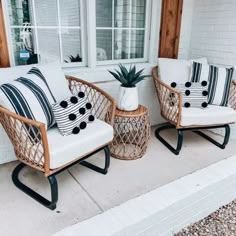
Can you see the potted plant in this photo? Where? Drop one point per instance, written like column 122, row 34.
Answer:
column 128, row 93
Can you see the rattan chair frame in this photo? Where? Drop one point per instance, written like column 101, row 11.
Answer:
column 170, row 101
column 35, row 153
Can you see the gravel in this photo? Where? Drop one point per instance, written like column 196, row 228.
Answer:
column 220, row 223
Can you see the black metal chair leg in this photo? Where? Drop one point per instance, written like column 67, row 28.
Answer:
column 179, row 142
column 99, row 169
column 226, row 138
column 53, row 184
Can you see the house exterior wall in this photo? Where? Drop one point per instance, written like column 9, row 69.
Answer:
column 186, row 29
column 214, row 34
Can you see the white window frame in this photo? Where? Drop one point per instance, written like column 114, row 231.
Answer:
column 88, row 44
column 58, row 27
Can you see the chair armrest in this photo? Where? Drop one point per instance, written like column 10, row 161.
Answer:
column 103, row 104
column 28, row 138
column 232, row 95
column 170, row 100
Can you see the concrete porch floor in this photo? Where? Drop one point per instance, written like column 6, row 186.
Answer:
column 84, row 193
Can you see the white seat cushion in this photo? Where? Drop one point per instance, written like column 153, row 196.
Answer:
column 65, row 149
column 211, row 115
column 172, row 70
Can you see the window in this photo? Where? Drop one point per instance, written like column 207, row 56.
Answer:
column 44, row 31
column 120, row 29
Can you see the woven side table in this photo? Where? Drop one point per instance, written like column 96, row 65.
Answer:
column 131, row 134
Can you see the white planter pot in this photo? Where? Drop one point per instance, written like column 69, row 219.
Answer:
column 128, row 99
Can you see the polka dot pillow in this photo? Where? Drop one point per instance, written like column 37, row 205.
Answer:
column 73, row 114
column 193, row 94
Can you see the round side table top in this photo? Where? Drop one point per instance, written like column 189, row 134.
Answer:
column 141, row 110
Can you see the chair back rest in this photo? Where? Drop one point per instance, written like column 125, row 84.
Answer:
column 11, row 73
column 174, row 70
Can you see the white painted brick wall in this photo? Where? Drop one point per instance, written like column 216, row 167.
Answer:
column 186, row 29
column 214, row 33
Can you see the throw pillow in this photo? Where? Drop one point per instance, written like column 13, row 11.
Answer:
column 29, row 96
column 73, row 114
column 219, row 80
column 193, row 94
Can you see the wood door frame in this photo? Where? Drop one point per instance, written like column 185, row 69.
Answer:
column 177, row 26
column 4, row 56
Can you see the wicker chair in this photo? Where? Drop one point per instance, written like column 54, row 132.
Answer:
column 170, row 101
column 36, row 153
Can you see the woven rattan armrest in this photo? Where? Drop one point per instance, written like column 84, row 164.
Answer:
column 33, row 152
column 232, row 95
column 170, row 100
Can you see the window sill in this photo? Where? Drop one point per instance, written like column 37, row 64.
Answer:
column 100, row 74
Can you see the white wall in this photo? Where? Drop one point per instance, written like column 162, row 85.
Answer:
column 186, row 29
column 214, row 31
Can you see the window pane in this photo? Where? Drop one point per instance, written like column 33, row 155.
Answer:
column 104, row 13
column 70, row 12
column 122, row 13
column 46, row 12
column 137, row 44
column 104, row 45
column 48, row 41
column 20, row 12
column 71, row 46
column 22, row 38
column 121, row 47
column 138, row 13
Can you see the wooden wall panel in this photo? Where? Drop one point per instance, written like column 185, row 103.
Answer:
column 4, row 56
column 170, row 28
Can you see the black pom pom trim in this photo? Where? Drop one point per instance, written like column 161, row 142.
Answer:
column 72, row 116
column 88, row 105
column 91, row 118
column 187, row 104
column 187, row 92
column 63, row 104
column 204, row 104
column 204, row 93
column 173, row 84
column 74, row 100
column 188, row 84
column 82, row 110
column 81, row 94
column 82, row 125
column 204, row 83
column 76, row 130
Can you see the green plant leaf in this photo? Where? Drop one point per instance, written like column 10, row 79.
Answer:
column 122, row 78
column 123, row 70
column 140, row 78
column 115, row 75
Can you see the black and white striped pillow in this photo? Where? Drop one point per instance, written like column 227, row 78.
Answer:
column 29, row 96
column 193, row 94
column 219, row 80
column 73, row 114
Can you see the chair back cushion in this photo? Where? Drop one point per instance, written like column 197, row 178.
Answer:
column 52, row 72
column 32, row 94
column 219, row 79
column 29, row 96
column 176, row 70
